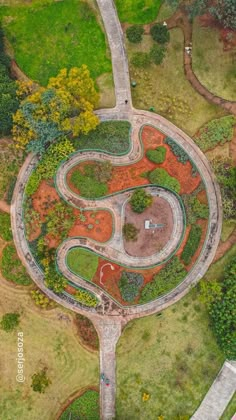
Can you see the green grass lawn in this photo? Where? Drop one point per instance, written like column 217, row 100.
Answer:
column 227, row 228
column 230, row 410
column 82, row 262
column 138, row 11
column 215, row 68
column 48, row 341
column 173, row 358
column 166, row 88
column 10, row 162
column 47, row 36
column 12, row 268
column 85, row 407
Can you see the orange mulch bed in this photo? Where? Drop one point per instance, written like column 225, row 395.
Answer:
column 101, row 220
column 44, row 199
column 124, row 177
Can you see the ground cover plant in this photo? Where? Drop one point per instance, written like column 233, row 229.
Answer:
column 216, row 132
column 86, row 298
column 59, row 45
column 90, row 182
column 86, row 407
column 71, row 366
column 110, row 136
column 82, row 262
column 166, row 89
column 157, row 155
column 130, row 284
column 161, row 177
column 173, row 354
column 12, row 268
column 192, row 244
column 133, row 11
column 167, row 278
column 87, row 332
column 5, row 226
column 213, row 65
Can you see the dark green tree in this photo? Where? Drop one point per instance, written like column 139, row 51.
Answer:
column 160, row 33
column 140, row 200
column 10, row 321
column 135, row 33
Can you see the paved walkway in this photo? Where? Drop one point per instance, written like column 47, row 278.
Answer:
column 219, row 395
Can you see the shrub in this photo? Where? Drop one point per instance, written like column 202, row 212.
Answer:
column 157, row 54
column 140, row 59
column 54, row 280
column 157, row 155
column 194, row 209
column 85, row 407
column 226, row 176
column 10, row 189
column 40, row 381
column 33, row 183
column 135, row 33
column 10, row 321
column 59, row 220
column 5, row 227
column 86, row 298
column 87, row 331
column 161, row 177
column 215, row 132
column 181, row 155
column 167, row 278
column 130, row 232
column 140, row 200
column 41, row 300
column 12, row 268
column 160, row 33
column 192, row 243
column 222, row 312
column 129, row 285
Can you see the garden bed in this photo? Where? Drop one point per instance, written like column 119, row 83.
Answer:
column 149, row 241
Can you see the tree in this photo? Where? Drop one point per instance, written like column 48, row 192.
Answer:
column 130, row 232
column 65, row 106
column 157, row 54
column 40, row 381
column 160, row 33
column 140, row 200
column 10, row 321
column 225, row 12
column 157, row 155
column 135, row 33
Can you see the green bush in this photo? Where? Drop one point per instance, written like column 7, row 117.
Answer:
column 215, row 132
column 10, row 321
column 140, row 59
column 157, row 155
column 86, row 298
column 130, row 232
column 140, row 200
column 161, row 177
column 85, row 407
column 160, row 33
column 12, row 268
column 222, row 312
column 40, row 381
column 192, row 244
column 5, row 227
column 135, row 33
column 167, row 278
column 194, row 209
column 109, row 136
column 129, row 285
column 157, row 54
column 181, row 155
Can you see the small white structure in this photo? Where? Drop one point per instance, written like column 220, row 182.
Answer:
column 149, row 225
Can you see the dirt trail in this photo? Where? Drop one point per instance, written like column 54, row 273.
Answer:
column 225, row 246
column 4, row 206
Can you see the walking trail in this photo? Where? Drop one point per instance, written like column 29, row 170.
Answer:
column 110, row 318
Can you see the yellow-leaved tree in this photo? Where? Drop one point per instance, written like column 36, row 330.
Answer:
column 65, row 106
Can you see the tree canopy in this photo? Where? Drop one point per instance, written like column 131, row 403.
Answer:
column 65, row 106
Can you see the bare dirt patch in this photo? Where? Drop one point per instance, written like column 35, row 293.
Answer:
column 149, row 241
column 95, row 225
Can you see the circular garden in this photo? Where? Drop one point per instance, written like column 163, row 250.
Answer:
column 133, row 231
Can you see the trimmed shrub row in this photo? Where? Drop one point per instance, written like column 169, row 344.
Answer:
column 192, row 243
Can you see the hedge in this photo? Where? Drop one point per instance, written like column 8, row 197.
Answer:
column 5, row 227
column 192, row 244
column 161, row 177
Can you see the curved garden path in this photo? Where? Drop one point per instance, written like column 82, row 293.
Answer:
column 180, row 20
column 109, row 316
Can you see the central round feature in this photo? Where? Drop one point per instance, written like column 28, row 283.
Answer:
column 154, row 228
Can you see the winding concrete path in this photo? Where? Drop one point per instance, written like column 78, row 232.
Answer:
column 219, row 395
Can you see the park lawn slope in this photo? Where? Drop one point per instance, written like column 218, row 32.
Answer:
column 174, row 358
column 48, row 341
column 138, row 11
column 41, row 48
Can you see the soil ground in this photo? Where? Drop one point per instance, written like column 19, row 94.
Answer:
column 153, row 240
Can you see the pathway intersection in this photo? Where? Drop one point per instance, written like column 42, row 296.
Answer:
column 110, row 316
